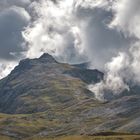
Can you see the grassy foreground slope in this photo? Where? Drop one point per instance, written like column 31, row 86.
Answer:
column 2, row 137
column 123, row 137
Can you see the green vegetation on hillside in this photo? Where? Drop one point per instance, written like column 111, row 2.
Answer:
column 123, row 137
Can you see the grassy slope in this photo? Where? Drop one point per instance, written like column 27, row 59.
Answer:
column 26, row 125
column 123, row 137
column 2, row 137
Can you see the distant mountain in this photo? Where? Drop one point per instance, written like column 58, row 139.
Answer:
column 82, row 65
column 42, row 97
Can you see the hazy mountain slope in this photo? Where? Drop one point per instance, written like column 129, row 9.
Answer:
column 45, row 98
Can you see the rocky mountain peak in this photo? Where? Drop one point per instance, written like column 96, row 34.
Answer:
column 27, row 63
column 47, row 58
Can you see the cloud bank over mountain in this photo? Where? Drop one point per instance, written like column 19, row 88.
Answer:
column 81, row 28
column 104, row 32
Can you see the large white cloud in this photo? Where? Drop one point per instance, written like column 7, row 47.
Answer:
column 127, row 18
column 6, row 67
column 81, row 28
column 55, row 31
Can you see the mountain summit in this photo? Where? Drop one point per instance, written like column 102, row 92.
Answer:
column 42, row 97
column 47, row 58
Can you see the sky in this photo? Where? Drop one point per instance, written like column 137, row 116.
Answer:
column 105, row 33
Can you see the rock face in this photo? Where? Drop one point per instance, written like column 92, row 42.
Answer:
column 44, row 97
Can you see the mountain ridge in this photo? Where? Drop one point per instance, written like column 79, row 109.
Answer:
column 38, row 69
column 42, row 97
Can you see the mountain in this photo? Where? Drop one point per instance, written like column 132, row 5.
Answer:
column 44, row 98
column 82, row 65
column 33, row 82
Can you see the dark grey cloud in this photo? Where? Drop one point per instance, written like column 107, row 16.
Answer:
column 14, row 17
column 7, row 3
column 12, row 22
column 102, row 42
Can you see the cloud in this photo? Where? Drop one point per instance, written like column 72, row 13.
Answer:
column 117, row 72
column 6, row 67
column 13, row 19
column 127, row 17
column 54, row 31
column 81, row 28
column 8, row 3
column 122, row 71
column 12, row 22
column 102, row 42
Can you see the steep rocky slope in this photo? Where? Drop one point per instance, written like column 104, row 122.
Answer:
column 42, row 97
